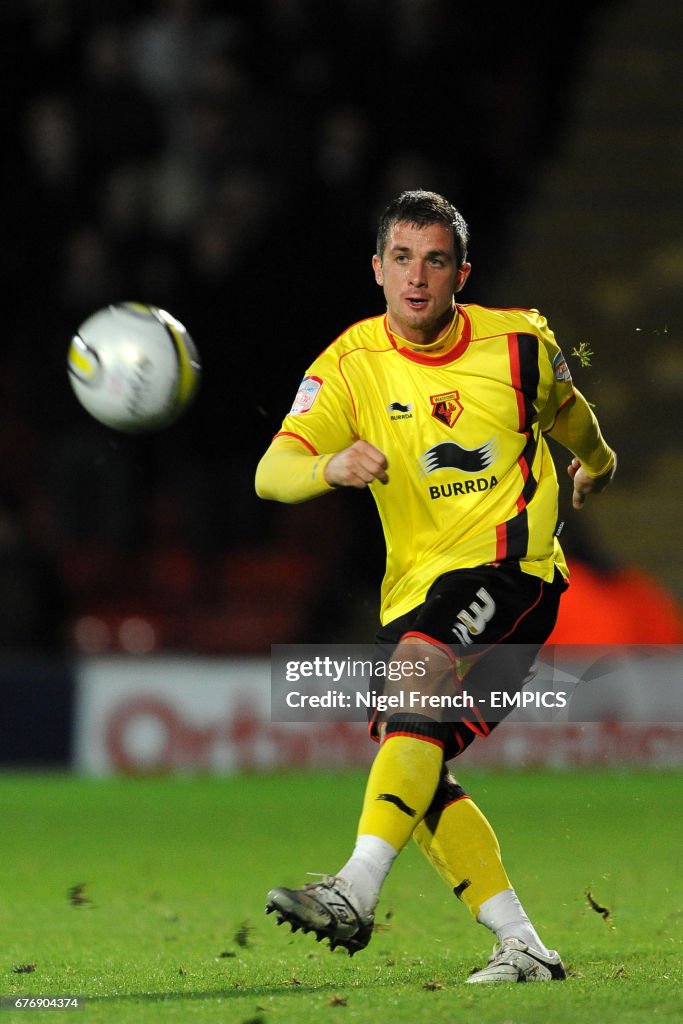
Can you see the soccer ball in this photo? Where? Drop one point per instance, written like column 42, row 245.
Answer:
column 133, row 367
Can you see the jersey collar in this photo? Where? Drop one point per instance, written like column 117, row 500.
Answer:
column 449, row 346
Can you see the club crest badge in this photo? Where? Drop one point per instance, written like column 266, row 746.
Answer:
column 446, row 407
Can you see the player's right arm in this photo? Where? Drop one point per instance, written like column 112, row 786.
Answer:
column 357, row 466
column 289, row 472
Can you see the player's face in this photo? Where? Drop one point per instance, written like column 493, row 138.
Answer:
column 419, row 275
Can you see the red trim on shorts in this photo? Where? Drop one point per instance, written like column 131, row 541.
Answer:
column 482, row 732
column 460, row 741
column 518, row 620
column 430, row 640
column 457, row 800
column 472, row 726
column 526, row 611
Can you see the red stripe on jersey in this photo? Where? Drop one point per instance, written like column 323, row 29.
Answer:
column 525, row 470
column 516, row 382
column 523, row 462
column 289, row 433
column 501, row 542
column 516, row 378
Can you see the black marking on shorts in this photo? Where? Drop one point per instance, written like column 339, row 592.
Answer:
column 393, row 799
column 459, row 889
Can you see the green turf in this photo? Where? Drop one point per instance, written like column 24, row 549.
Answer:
column 168, row 922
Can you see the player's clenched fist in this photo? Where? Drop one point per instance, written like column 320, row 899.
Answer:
column 585, row 484
column 357, row 466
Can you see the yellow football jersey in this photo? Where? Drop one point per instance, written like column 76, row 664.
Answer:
column 461, row 422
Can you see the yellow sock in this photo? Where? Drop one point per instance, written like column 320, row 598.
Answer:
column 460, row 843
column 400, row 788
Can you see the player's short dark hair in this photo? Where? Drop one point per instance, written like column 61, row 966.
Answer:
column 421, row 208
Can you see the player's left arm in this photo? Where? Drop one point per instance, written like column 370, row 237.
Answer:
column 594, row 464
column 569, row 419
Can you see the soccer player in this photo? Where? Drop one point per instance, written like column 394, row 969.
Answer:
column 441, row 410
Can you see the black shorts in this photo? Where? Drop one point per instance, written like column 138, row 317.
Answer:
column 493, row 620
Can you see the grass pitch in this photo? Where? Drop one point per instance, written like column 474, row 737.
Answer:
column 145, row 898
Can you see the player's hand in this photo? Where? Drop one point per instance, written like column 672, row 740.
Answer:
column 585, row 484
column 357, row 466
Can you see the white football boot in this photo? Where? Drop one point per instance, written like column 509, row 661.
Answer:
column 328, row 908
column 513, row 960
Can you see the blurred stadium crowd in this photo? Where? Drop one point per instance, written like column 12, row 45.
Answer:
column 226, row 161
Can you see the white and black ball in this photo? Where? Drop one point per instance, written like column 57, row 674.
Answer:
column 134, row 367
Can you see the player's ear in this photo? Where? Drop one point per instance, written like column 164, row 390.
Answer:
column 462, row 275
column 377, row 267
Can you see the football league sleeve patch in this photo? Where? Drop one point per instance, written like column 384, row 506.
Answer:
column 309, row 389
